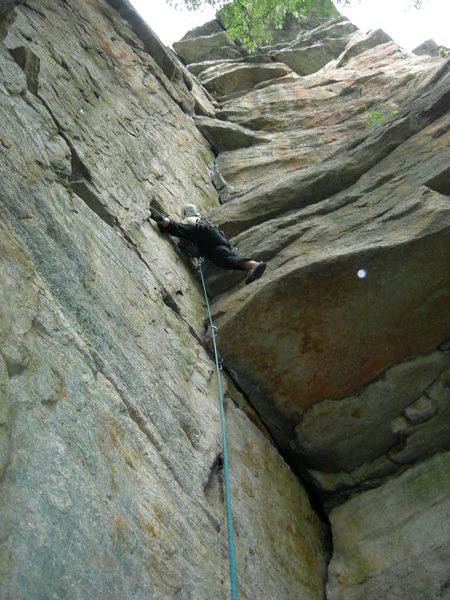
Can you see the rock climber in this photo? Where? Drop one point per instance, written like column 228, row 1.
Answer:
column 205, row 239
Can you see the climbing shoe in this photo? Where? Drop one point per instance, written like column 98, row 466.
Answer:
column 156, row 215
column 256, row 272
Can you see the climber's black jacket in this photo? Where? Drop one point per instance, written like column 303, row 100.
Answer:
column 212, row 243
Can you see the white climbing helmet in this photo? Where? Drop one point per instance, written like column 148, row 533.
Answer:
column 189, row 210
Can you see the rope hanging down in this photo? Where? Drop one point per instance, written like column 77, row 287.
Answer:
column 225, row 457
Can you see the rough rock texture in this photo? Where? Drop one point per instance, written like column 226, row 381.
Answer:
column 350, row 374
column 407, row 413
column 310, row 51
column 110, row 478
column 430, row 48
column 408, row 513
column 227, row 136
column 109, row 428
column 202, row 45
column 229, row 78
column 355, row 175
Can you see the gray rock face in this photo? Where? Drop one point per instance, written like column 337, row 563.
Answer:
column 228, row 78
column 392, row 542
column 430, row 48
column 110, row 483
column 313, row 50
column 206, row 47
column 110, row 479
column 225, row 136
column 341, row 346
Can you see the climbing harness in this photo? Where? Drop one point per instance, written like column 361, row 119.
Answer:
column 225, row 456
column 189, row 248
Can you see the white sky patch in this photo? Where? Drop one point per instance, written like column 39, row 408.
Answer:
column 169, row 24
column 409, row 28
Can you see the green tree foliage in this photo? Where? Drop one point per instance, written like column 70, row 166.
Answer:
column 251, row 22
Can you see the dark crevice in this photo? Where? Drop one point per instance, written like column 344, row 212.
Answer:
column 86, row 193
column 313, row 496
column 140, row 421
column 163, row 57
column 195, row 335
column 30, row 64
column 315, row 499
column 169, row 301
column 136, row 416
column 7, row 15
column 79, row 169
column 166, row 296
column 440, row 183
column 7, row 454
column 398, row 215
column 214, row 483
column 14, row 366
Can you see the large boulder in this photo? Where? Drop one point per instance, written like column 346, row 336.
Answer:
column 392, row 542
column 406, row 411
column 319, row 207
column 430, row 48
column 206, row 47
column 313, row 49
column 361, row 42
column 227, row 78
column 225, row 136
column 325, row 333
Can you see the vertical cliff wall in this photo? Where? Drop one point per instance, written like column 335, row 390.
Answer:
column 333, row 166
column 324, row 154
column 110, row 479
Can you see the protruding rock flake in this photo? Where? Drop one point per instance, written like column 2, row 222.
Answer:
column 326, row 156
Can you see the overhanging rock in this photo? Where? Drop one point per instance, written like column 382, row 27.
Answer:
column 224, row 136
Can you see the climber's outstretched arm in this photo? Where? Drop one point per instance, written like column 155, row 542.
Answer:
column 180, row 230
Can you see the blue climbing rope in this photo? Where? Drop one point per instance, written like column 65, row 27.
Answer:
column 225, row 457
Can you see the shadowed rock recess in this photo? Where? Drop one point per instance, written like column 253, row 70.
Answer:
column 326, row 154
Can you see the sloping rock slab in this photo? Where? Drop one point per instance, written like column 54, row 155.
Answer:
column 314, row 49
column 228, row 78
column 420, row 430
column 206, row 47
column 305, row 61
column 311, row 330
column 333, row 434
column 362, row 42
column 393, row 541
column 225, row 136
column 430, row 48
